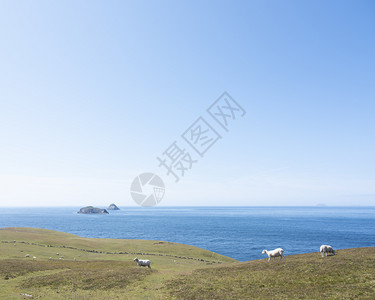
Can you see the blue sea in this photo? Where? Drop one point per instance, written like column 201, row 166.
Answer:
column 238, row 232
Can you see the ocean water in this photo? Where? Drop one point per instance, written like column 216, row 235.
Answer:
column 238, row 232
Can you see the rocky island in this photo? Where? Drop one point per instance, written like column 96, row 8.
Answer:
column 92, row 210
column 113, row 207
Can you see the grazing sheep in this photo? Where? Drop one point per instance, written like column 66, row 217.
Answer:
column 57, row 254
column 143, row 263
column 326, row 249
column 50, row 258
column 34, row 257
column 27, row 295
column 274, row 253
column 27, row 255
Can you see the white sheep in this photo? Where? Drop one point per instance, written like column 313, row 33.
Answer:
column 274, row 253
column 34, row 257
column 27, row 295
column 143, row 263
column 326, row 249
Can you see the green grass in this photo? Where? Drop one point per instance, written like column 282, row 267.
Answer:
column 104, row 269
column 55, row 241
column 95, row 275
column 348, row 275
column 92, row 268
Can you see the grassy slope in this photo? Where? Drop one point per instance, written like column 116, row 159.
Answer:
column 100, row 272
column 348, row 275
column 102, row 269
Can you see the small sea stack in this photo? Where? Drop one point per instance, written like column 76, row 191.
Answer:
column 113, row 207
column 92, row 210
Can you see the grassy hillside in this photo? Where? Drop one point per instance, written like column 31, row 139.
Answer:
column 91, row 268
column 348, row 275
column 104, row 269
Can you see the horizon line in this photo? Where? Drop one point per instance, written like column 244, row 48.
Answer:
column 166, row 206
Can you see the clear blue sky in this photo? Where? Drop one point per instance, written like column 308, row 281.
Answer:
column 91, row 92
